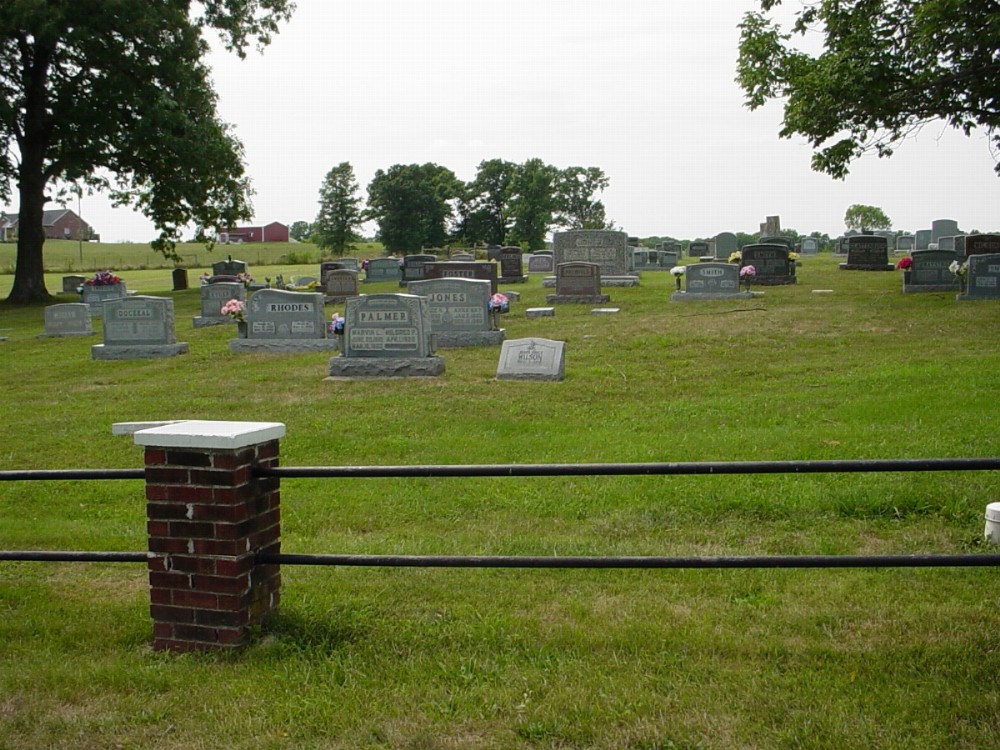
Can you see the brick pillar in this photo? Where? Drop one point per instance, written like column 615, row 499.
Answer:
column 207, row 518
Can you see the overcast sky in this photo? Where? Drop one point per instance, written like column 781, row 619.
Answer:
column 641, row 89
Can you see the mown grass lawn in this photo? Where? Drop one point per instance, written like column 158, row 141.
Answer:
column 637, row 660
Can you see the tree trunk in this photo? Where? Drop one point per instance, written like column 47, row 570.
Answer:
column 29, row 275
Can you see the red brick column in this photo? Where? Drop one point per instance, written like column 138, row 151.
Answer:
column 207, row 518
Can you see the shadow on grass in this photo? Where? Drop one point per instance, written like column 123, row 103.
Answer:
column 291, row 631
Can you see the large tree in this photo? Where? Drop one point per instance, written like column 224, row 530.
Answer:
column 887, row 68
column 340, row 212
column 862, row 218
column 576, row 206
column 413, row 205
column 486, row 210
column 534, row 202
column 115, row 96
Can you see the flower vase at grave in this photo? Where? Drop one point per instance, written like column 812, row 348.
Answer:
column 241, row 329
column 906, row 277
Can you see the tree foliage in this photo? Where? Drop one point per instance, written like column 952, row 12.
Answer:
column 115, row 96
column 340, row 212
column 413, row 205
column 887, row 68
column 300, row 231
column 863, row 218
column 576, row 206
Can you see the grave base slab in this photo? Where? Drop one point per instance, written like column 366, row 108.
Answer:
column 385, row 367
column 455, row 339
column 702, row 296
column 282, row 346
column 577, row 299
column 138, row 351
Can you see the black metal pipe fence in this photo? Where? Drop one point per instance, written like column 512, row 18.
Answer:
column 540, row 470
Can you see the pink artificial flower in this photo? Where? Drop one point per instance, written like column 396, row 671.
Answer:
column 748, row 271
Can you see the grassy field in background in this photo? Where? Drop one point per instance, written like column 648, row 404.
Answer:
column 437, row 658
column 68, row 257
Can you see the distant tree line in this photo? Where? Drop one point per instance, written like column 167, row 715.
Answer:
column 425, row 205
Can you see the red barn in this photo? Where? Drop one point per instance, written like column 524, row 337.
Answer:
column 273, row 232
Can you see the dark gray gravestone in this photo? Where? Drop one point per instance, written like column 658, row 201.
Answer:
column 983, row 278
column 480, row 271
column 866, row 252
column 229, row 267
column 383, row 269
column 698, row 250
column 708, row 281
column 541, row 263
column 462, row 257
column 341, row 283
column 413, row 267
column 725, row 245
column 213, row 297
column 138, row 328
column 351, row 264
column 943, row 228
column 946, row 243
column 905, row 243
column 532, row 359
column 577, row 283
column 771, row 263
column 387, row 335
column 71, row 283
column 982, row 244
column 922, row 239
column 96, row 296
column 458, row 310
column 326, row 267
column 69, row 319
column 607, row 249
column 512, row 266
column 929, row 272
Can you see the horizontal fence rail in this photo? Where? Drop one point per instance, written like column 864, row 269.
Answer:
column 637, row 469
column 702, row 468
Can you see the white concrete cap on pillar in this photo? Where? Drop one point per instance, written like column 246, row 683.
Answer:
column 207, row 434
column 992, row 533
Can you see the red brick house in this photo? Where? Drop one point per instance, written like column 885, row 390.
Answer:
column 273, row 232
column 59, row 224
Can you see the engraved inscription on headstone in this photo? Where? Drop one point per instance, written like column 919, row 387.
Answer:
column 229, row 267
column 771, row 262
column 279, row 314
column 867, row 252
column 578, row 279
column 68, row 319
column 983, row 277
column 482, row 271
column 455, row 305
column 383, row 269
column 929, row 272
column 341, row 283
column 982, row 244
column 532, row 359
column 213, row 297
column 387, row 325
column 607, row 249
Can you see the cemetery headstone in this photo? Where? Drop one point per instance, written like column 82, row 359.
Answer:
column 96, row 295
column 351, row 264
column 229, row 267
column 943, row 228
column 387, row 335
column 866, row 252
column 70, row 284
column 541, row 263
column 67, row 319
column 946, row 243
column 905, row 243
column 462, row 257
column 458, row 310
column 341, row 283
column 213, row 297
column 983, row 277
column 578, row 283
column 607, row 249
column 138, row 328
column 922, row 239
column 771, row 263
column 532, row 359
column 711, row 281
column 383, row 269
column 725, row 245
column 512, row 266
column 450, row 269
column 413, row 267
column 282, row 321
column 929, row 272
column 809, row 246
column 981, row 244
column 326, row 267
column 698, row 250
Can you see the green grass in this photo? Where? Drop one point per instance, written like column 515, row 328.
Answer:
column 636, row 660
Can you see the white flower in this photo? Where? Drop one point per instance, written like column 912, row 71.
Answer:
column 678, row 270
